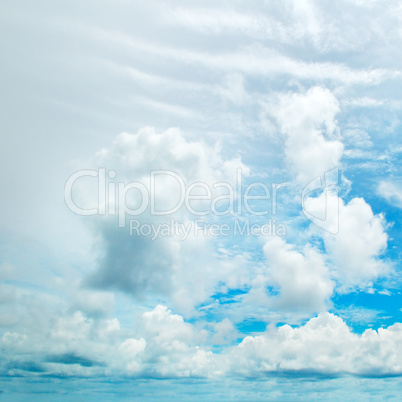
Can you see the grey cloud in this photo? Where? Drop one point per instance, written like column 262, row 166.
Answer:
column 136, row 265
column 72, row 358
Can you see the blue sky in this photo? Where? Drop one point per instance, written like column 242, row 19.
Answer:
column 219, row 116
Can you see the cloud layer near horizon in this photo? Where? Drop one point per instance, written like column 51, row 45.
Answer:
column 161, row 344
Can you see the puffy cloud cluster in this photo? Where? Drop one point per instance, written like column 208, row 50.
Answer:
column 308, row 122
column 356, row 250
column 172, row 347
column 183, row 269
column 134, row 155
column 354, row 237
column 324, row 345
column 161, row 344
column 302, row 278
column 187, row 271
column 158, row 344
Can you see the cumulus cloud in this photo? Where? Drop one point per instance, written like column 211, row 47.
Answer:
column 308, row 122
column 356, row 249
column 225, row 332
column 302, row 278
column 159, row 344
column 162, row 344
column 181, row 267
column 323, row 345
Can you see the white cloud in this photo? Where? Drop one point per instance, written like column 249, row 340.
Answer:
column 304, row 23
column 185, row 270
column 308, row 122
column 253, row 60
column 363, row 102
column 172, row 343
column 323, row 345
column 356, row 249
column 225, row 332
column 92, row 302
column 357, row 137
column 390, row 191
column 303, row 279
column 131, row 351
column 161, row 344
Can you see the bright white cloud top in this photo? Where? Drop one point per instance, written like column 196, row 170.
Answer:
column 201, row 190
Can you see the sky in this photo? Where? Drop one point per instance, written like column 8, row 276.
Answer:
column 200, row 198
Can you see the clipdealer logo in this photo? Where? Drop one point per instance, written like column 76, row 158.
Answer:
column 198, row 198
column 149, row 196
